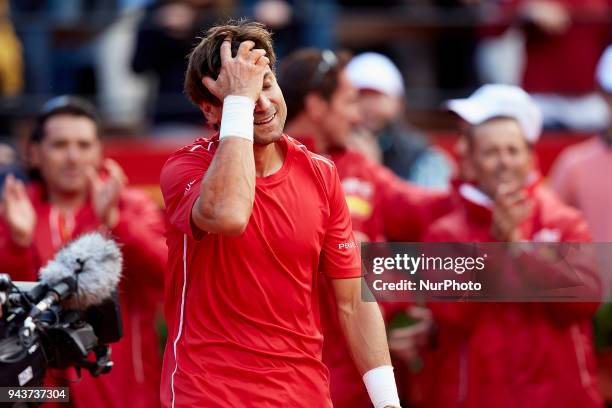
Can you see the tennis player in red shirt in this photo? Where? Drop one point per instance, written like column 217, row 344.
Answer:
column 253, row 216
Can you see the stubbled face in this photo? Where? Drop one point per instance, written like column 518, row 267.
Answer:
column 499, row 154
column 377, row 109
column 269, row 115
column 270, row 112
column 342, row 113
column 69, row 146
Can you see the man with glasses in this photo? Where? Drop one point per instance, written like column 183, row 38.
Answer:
column 253, row 216
column 400, row 147
column 322, row 110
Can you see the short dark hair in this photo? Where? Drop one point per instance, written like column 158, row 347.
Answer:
column 205, row 58
column 305, row 71
column 63, row 105
column 60, row 105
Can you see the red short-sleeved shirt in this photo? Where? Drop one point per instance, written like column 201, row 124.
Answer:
column 242, row 312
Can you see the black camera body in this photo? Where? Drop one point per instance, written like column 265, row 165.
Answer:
column 60, row 338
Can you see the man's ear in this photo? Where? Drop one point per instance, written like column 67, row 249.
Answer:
column 315, row 106
column 211, row 85
column 212, row 114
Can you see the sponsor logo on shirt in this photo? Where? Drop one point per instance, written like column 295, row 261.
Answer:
column 347, row 245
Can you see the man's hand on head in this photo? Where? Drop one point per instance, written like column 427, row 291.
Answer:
column 105, row 192
column 241, row 75
column 17, row 211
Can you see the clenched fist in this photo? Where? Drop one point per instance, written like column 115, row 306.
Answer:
column 511, row 207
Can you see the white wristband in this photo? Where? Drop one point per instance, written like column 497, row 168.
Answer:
column 381, row 387
column 237, row 117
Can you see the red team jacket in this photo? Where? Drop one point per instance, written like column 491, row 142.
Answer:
column 536, row 355
column 134, row 380
column 243, row 312
column 383, row 208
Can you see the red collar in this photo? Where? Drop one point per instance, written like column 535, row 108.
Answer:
column 479, row 205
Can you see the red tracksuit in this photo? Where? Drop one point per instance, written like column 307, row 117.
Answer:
column 134, row 380
column 535, row 355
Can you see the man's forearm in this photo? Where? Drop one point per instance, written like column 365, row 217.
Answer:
column 364, row 329
column 228, row 189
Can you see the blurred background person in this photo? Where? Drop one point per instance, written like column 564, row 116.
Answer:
column 81, row 47
column 581, row 173
column 453, row 51
column 549, row 37
column 381, row 107
column 11, row 61
column 296, row 23
column 580, row 176
column 164, row 37
column 121, row 93
column 510, row 354
column 74, row 190
column 11, row 86
column 323, row 109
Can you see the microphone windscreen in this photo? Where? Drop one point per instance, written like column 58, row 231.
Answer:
column 94, row 261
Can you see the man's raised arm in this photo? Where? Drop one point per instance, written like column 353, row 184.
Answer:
column 228, row 188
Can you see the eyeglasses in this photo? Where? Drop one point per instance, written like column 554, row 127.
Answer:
column 328, row 61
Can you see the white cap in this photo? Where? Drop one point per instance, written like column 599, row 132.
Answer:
column 496, row 100
column 604, row 70
column 376, row 72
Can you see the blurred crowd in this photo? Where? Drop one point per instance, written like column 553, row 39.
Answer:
column 128, row 56
column 405, row 60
